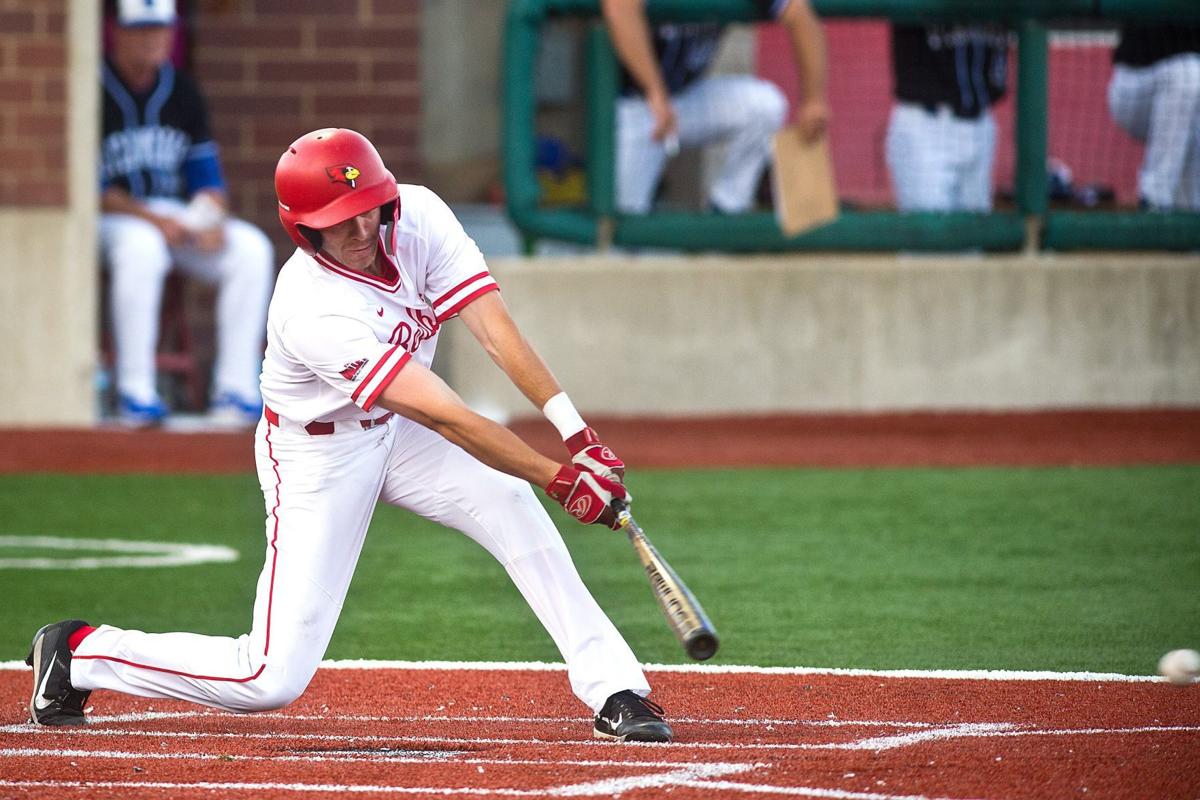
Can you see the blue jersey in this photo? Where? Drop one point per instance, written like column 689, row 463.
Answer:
column 157, row 143
column 685, row 50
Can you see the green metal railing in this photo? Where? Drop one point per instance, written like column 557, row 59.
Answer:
column 599, row 222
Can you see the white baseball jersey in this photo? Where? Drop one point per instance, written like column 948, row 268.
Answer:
column 335, row 339
column 336, row 336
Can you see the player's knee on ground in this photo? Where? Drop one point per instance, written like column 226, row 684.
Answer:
column 270, row 691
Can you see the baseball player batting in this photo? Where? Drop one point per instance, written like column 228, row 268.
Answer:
column 353, row 415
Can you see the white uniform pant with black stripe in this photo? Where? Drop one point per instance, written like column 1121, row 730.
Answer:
column 1160, row 105
column 320, row 493
column 741, row 110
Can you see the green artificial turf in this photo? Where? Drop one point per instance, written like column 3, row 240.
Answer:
column 1063, row 569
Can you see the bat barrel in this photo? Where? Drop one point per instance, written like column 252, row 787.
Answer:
column 683, row 612
column 701, row 645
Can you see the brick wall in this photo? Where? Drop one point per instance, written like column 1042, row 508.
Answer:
column 33, row 134
column 275, row 69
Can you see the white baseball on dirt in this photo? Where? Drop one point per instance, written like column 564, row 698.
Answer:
column 1180, row 667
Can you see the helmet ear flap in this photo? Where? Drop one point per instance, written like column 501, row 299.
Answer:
column 312, row 235
column 388, row 214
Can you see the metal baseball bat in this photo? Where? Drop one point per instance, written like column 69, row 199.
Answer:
column 684, row 614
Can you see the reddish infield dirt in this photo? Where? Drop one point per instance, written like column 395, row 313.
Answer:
column 822, row 440
column 389, row 732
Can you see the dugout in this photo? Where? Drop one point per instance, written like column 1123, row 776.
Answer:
column 1024, row 220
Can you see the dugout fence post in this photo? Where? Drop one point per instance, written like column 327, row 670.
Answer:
column 1033, row 93
column 602, row 77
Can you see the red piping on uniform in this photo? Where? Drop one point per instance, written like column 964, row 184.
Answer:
column 270, row 597
column 175, row 671
column 358, row 389
column 451, row 292
column 491, row 287
column 333, row 265
column 274, row 539
column 383, row 384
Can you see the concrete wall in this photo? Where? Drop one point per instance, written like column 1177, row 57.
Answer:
column 801, row 333
column 49, row 71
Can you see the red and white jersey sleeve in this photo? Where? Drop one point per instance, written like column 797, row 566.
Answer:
column 346, row 354
column 455, row 271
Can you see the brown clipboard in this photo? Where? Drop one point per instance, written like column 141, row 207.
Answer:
column 805, row 194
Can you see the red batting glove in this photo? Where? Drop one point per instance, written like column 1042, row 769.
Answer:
column 587, row 497
column 590, row 454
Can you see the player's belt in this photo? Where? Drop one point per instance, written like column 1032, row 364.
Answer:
column 322, row 428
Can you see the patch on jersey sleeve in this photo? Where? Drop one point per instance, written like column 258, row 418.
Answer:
column 351, row 370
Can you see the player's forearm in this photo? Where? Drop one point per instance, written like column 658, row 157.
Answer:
column 114, row 200
column 630, row 33
column 490, row 323
column 497, row 446
column 487, row 441
column 418, row 394
column 808, row 48
column 526, row 369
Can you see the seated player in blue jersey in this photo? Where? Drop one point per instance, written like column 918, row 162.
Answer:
column 667, row 101
column 164, row 205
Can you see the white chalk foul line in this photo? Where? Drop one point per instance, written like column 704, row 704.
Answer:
column 803, row 791
column 38, row 730
column 958, row 731
column 967, row 730
column 606, row 788
column 143, row 716
column 314, row 788
column 450, row 756
column 732, row 669
column 134, row 554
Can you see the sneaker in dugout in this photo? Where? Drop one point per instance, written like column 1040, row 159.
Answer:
column 229, row 410
column 55, row 701
column 627, row 717
column 132, row 413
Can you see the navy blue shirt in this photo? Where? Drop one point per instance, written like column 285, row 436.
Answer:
column 157, row 143
column 964, row 67
column 1144, row 45
column 686, row 49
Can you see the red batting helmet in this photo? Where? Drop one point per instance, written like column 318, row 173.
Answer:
column 328, row 176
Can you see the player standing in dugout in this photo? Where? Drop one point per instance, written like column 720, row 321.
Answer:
column 353, row 415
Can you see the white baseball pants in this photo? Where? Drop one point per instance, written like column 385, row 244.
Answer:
column 320, row 494
column 138, row 259
column 940, row 162
column 1160, row 105
column 739, row 109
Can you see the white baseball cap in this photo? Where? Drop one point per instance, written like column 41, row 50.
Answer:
column 144, row 13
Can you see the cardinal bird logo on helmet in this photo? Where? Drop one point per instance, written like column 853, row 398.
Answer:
column 343, row 173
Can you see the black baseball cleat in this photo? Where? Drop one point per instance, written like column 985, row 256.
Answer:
column 629, row 718
column 55, row 701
